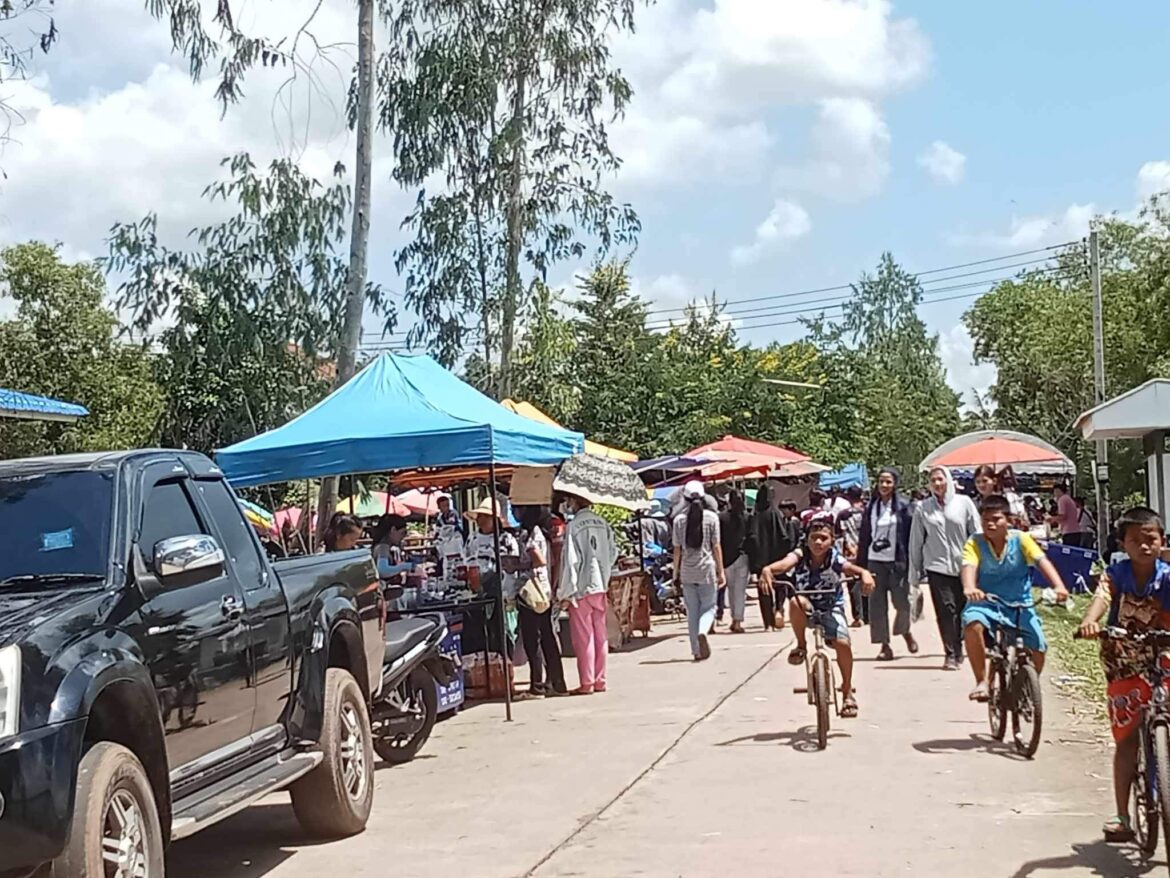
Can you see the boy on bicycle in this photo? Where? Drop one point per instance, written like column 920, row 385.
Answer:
column 997, row 564
column 1136, row 594
column 815, row 567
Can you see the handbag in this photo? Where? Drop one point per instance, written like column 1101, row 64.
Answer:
column 534, row 596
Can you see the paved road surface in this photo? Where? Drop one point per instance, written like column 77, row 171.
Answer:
column 704, row 770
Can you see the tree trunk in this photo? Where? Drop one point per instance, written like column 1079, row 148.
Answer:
column 355, row 298
column 515, row 221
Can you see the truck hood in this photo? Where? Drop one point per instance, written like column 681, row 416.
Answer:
column 21, row 612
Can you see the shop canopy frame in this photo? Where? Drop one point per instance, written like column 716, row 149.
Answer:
column 400, row 412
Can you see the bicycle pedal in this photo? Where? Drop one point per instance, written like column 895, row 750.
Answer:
column 800, row 690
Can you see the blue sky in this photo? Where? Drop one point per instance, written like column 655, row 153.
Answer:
column 772, row 146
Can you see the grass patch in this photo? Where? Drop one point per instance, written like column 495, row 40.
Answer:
column 1078, row 662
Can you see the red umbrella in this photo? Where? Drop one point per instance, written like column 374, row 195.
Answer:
column 421, row 502
column 735, row 445
column 1000, row 448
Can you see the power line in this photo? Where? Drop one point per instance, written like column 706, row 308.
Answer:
column 915, row 275
column 985, row 284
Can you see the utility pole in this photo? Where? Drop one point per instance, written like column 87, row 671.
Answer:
column 359, row 239
column 1101, row 464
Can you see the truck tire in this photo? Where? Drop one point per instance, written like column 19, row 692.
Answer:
column 114, row 815
column 335, row 798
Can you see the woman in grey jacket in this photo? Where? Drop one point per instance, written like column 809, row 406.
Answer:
column 943, row 523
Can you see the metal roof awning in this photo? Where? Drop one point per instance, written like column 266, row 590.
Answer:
column 30, row 407
column 1132, row 415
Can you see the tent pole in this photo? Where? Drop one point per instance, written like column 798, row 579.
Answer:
column 641, row 545
column 503, row 625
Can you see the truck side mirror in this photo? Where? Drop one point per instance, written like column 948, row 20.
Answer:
column 188, row 559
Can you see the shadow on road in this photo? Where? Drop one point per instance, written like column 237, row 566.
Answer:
column 677, row 661
column 981, row 743
column 249, row 845
column 802, row 740
column 1109, row 861
column 634, row 644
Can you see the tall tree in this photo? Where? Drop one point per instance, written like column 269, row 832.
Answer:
column 905, row 406
column 508, row 103
column 255, row 305
column 63, row 344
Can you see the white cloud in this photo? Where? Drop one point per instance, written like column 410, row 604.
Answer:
column 1153, row 179
column 1029, row 232
column 851, row 149
column 943, row 163
column 706, row 79
column 685, row 149
column 956, row 349
column 786, row 222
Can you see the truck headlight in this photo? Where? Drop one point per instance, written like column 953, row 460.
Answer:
column 9, row 691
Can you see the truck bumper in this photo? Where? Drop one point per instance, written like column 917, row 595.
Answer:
column 37, row 785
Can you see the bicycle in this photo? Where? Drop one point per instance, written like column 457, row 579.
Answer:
column 821, row 687
column 1013, row 684
column 1150, row 791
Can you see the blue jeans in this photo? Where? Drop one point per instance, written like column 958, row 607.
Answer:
column 700, row 602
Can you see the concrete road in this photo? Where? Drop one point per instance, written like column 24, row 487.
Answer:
column 709, row 769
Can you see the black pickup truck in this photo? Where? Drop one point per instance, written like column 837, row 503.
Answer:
column 158, row 673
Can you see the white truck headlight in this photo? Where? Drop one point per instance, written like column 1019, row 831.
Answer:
column 9, row 691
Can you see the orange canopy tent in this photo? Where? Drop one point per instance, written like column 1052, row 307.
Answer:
column 528, row 410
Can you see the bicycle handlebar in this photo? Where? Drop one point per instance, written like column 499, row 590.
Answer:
column 995, row 599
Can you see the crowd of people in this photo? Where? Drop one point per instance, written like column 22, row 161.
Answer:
column 849, row 559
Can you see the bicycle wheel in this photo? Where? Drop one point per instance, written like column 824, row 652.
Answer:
column 824, row 698
column 1161, row 756
column 997, row 700
column 1143, row 801
column 1027, row 710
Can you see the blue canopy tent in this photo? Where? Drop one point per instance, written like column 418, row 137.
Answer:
column 399, row 412
column 852, row 475
column 30, row 407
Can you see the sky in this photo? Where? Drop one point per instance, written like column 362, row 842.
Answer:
column 771, row 147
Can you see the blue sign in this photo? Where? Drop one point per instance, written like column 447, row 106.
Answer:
column 451, row 696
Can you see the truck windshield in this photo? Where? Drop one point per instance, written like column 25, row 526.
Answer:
column 55, row 523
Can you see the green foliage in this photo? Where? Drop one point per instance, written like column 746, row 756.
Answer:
column 253, row 308
column 62, row 345
column 1037, row 330
column 508, row 103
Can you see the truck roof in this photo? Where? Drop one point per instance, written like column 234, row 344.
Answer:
column 103, row 460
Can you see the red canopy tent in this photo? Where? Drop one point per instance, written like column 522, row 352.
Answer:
column 1000, row 448
column 744, row 457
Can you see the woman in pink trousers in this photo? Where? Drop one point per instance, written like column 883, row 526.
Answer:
column 590, row 553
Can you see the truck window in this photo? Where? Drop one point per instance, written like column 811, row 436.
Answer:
column 56, row 523
column 236, row 532
column 168, row 513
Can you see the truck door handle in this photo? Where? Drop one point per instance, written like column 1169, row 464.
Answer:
column 231, row 607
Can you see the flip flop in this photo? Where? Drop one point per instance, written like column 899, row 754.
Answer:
column 704, row 648
column 1118, row 831
column 797, row 656
column 980, row 694
column 886, row 654
column 849, row 708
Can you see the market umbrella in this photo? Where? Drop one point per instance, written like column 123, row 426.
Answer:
column 258, row 516
column 1000, row 448
column 374, row 504
column 420, row 502
column 602, row 480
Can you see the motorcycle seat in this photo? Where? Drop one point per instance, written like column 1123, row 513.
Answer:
column 403, row 635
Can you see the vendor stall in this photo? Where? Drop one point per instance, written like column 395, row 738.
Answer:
column 401, row 412
column 30, row 407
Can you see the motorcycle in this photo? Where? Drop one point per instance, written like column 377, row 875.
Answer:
column 404, row 714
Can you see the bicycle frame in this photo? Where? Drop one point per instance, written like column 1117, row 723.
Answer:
column 815, row 624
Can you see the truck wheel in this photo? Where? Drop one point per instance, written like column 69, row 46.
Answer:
column 335, row 798
column 115, row 831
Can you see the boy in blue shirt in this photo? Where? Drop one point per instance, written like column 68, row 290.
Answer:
column 999, row 562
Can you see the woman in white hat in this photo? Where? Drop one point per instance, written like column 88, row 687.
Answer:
column 698, row 565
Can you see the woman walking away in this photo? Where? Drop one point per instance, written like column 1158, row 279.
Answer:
column 943, row 523
column 590, row 553
column 732, row 532
column 534, row 601
column 698, row 566
column 772, row 534
column 884, row 550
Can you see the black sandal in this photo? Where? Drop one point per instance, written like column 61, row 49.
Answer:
column 797, row 656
